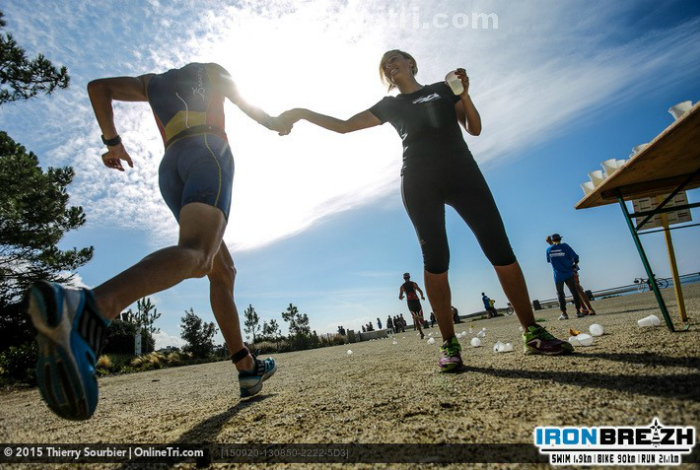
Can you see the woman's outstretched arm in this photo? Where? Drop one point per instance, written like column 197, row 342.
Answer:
column 359, row 121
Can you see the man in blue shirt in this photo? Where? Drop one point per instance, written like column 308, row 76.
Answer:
column 564, row 260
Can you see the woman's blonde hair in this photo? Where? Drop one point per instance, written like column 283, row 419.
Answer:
column 386, row 56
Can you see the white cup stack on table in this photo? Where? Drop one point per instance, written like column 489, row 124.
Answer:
column 651, row 320
column 680, row 109
column 455, row 83
column 596, row 177
column 609, row 166
column 638, row 149
column 587, row 187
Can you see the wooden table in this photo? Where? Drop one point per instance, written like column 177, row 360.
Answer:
column 670, row 164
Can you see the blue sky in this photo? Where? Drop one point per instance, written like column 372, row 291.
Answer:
column 317, row 218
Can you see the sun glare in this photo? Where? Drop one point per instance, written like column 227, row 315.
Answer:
column 283, row 184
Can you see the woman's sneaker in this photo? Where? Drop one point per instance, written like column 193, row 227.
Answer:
column 563, row 316
column 539, row 341
column 251, row 381
column 450, row 357
column 70, row 334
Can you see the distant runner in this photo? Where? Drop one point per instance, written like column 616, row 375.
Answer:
column 409, row 288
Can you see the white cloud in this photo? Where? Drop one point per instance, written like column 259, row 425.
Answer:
column 164, row 340
column 547, row 66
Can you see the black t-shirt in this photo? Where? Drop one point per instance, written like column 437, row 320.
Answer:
column 409, row 290
column 425, row 120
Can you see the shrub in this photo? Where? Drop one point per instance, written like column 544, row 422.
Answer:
column 173, row 359
column 19, row 362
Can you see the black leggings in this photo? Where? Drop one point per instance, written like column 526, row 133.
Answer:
column 571, row 284
column 428, row 183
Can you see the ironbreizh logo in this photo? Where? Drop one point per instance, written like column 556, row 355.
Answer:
column 654, row 444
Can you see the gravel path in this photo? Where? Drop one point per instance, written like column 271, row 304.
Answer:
column 392, row 393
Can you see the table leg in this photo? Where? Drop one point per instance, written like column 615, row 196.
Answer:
column 645, row 262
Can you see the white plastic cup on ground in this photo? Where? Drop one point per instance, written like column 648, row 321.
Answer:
column 508, row 347
column 498, row 347
column 481, row 334
column 638, row 149
column 394, row 342
column 585, row 339
column 455, row 83
column 587, row 187
column 431, row 341
column 609, row 166
column 680, row 109
column 596, row 330
column 476, row 342
column 573, row 340
column 651, row 320
column 596, row 177
column 349, row 352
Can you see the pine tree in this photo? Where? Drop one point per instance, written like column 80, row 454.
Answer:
column 198, row 334
column 21, row 78
column 34, row 216
column 251, row 322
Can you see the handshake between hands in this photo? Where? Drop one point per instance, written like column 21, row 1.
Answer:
column 284, row 123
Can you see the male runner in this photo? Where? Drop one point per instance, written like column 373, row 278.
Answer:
column 195, row 178
column 409, row 288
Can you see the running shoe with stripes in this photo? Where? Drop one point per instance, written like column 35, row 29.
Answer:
column 251, row 382
column 70, row 333
column 450, row 357
column 539, row 341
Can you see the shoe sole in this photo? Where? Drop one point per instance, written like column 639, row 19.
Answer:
column 531, row 351
column 58, row 374
column 248, row 392
column 451, row 368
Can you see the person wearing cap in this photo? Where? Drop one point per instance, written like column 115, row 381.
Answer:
column 410, row 288
column 586, row 307
column 564, row 261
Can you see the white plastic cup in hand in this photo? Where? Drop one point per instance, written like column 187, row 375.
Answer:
column 596, row 177
column 476, row 342
column 680, row 109
column 596, row 330
column 585, row 339
column 455, row 83
column 651, row 320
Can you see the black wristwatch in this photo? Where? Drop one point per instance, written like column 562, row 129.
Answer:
column 112, row 142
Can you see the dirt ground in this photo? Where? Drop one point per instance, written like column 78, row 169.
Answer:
column 392, row 393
